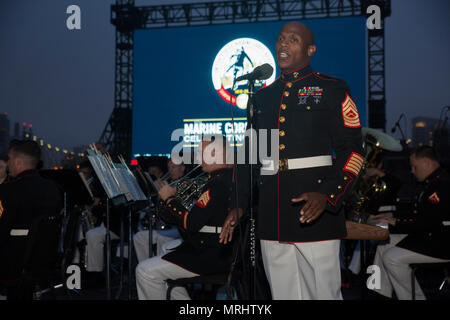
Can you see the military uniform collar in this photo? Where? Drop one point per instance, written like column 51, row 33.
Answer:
column 26, row 173
column 434, row 176
column 296, row 74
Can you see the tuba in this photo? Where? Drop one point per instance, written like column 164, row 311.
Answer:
column 368, row 191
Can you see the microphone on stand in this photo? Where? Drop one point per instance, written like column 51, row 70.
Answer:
column 262, row 72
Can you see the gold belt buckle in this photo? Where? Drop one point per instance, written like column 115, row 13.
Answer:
column 283, row 164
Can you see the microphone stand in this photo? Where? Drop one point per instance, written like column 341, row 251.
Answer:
column 250, row 114
column 401, row 131
column 108, row 254
column 397, row 125
column 130, row 248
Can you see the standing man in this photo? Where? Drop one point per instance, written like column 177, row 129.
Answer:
column 423, row 237
column 300, row 223
column 25, row 199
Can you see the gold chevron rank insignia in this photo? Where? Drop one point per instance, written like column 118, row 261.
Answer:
column 350, row 113
column 354, row 163
column 204, row 199
column 434, row 199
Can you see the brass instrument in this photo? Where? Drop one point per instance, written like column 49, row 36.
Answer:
column 367, row 192
column 87, row 221
column 190, row 189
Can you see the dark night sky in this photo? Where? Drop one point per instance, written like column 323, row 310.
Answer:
column 62, row 81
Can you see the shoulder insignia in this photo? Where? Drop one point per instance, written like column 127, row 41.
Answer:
column 2, row 209
column 354, row 163
column 434, row 199
column 350, row 113
column 204, row 199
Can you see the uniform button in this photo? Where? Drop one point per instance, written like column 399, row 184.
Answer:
column 282, row 146
column 339, row 187
column 282, row 133
column 201, row 241
column 289, row 84
column 282, row 119
column 179, row 212
column 286, row 93
column 430, row 234
column 415, row 211
column 259, row 111
column 332, row 196
column 308, row 108
column 345, row 178
column 319, row 181
column 174, row 209
column 283, row 106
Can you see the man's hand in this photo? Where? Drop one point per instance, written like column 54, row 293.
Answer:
column 385, row 218
column 382, row 216
column 370, row 172
column 231, row 221
column 314, row 206
column 164, row 190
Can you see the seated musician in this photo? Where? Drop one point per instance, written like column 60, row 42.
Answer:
column 160, row 237
column 24, row 199
column 423, row 237
column 385, row 202
column 95, row 209
column 201, row 253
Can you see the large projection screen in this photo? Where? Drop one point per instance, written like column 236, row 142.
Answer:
column 174, row 85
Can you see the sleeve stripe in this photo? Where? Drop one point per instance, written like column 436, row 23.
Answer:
column 354, row 163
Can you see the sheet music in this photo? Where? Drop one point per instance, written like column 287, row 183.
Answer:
column 116, row 178
column 104, row 174
column 129, row 183
column 86, row 184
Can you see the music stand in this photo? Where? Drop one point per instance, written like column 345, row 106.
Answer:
column 76, row 193
column 122, row 190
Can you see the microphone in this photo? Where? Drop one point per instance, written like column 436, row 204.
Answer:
column 262, row 72
column 397, row 123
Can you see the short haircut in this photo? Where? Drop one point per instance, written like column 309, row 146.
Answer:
column 28, row 149
column 426, row 152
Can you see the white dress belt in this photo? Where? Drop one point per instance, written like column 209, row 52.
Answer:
column 297, row 163
column 309, row 162
column 210, row 229
column 18, row 232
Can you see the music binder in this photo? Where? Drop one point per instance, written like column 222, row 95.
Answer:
column 117, row 180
